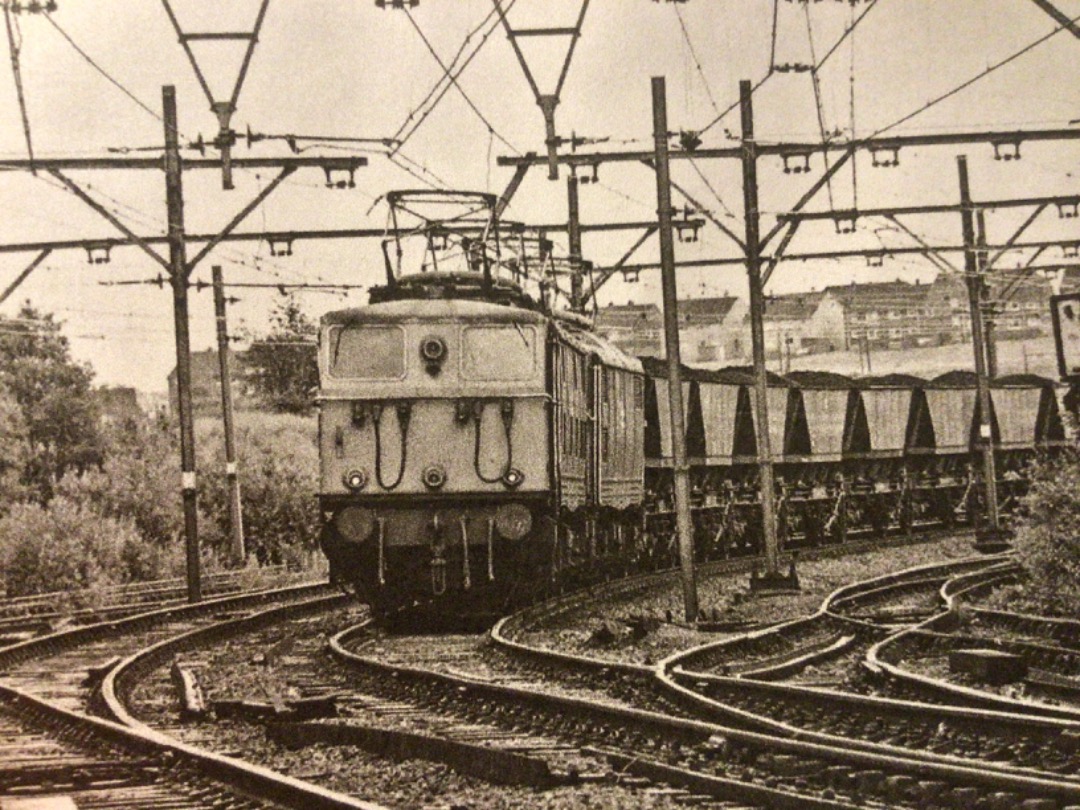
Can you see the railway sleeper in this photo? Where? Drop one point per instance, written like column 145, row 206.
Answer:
column 490, row 764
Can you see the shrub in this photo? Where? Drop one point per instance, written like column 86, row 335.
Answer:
column 278, row 467
column 68, row 546
column 138, row 479
column 1048, row 536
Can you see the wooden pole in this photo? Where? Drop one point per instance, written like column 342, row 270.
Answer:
column 236, row 515
column 772, row 577
column 681, row 471
column 178, row 275
column 989, row 537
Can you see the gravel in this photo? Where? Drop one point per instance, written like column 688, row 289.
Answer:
column 732, row 600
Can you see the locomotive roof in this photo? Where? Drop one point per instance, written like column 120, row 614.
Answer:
column 437, row 309
column 589, row 343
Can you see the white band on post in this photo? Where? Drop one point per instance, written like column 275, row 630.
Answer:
column 984, row 431
column 230, row 468
column 187, row 481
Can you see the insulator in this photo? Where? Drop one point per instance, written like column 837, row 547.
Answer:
column 1070, row 250
column 397, row 3
column 340, row 178
column 280, row 247
column 687, row 231
column 875, row 260
column 1068, row 210
column 595, row 177
column 885, row 158
column 631, row 276
column 796, row 164
column 845, row 224
column 689, row 140
column 1006, row 150
column 98, row 254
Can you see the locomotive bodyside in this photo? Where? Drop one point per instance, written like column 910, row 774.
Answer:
column 434, row 448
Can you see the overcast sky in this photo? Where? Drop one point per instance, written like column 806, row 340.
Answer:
column 347, row 68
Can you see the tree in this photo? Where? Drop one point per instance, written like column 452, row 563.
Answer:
column 281, row 367
column 53, row 395
column 1048, row 535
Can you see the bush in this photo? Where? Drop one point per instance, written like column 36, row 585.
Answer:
column 1048, row 536
column 138, row 479
column 278, row 466
column 68, row 546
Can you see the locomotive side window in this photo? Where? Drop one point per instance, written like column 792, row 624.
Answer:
column 498, row 352
column 367, row 352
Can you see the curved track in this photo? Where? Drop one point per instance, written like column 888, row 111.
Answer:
column 47, row 688
column 550, row 718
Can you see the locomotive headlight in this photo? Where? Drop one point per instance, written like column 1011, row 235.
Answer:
column 513, row 521
column 513, row 478
column 355, row 523
column 433, row 353
column 434, row 477
column 355, row 480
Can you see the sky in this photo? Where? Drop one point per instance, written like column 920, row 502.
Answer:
column 345, row 68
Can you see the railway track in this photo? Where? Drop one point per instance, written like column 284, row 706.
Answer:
column 24, row 617
column 534, row 757
column 453, row 691
column 517, row 715
column 379, row 714
column 62, row 754
column 1036, row 751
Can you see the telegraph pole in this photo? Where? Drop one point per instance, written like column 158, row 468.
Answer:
column 989, row 307
column 681, row 471
column 990, row 538
column 772, row 578
column 178, row 276
column 236, row 515
column 573, row 230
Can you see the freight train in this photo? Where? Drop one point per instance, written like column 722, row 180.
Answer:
column 479, row 450
column 474, row 455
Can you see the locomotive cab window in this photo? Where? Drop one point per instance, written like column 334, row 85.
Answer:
column 498, row 352
column 367, row 353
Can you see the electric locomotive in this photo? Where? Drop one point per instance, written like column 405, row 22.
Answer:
column 470, row 441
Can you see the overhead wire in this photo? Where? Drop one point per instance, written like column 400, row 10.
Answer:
column 711, row 188
column 851, row 107
column 772, row 45
column 772, row 59
column 453, row 80
column 697, row 61
column 848, row 31
column 14, row 36
column 815, row 80
column 442, row 86
column 100, row 69
column 399, row 160
column 977, row 77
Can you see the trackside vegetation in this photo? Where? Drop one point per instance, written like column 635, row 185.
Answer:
column 89, row 503
column 1047, row 541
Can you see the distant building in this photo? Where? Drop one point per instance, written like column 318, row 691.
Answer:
column 1020, row 303
column 801, row 323
column 637, row 329
column 892, row 314
column 1070, row 280
column 844, row 317
column 706, row 332
column 118, row 405
column 206, row 383
column 705, row 328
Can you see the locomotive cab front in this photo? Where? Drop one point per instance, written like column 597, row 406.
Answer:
column 434, row 454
